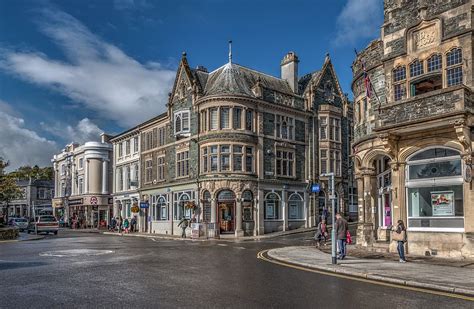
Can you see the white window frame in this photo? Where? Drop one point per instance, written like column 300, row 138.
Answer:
column 184, row 124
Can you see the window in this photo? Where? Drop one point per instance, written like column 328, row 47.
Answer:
column 338, row 163
column 434, row 63
column 181, row 122
column 225, row 112
column 285, row 163
column 323, row 128
column 454, row 67
column 237, row 158
column 416, row 68
column 119, row 179
column 148, row 170
column 225, row 158
column 237, row 118
column 161, row 168
column 331, row 161
column 127, row 147
column 81, row 163
column 295, row 207
column 249, row 159
column 161, row 136
column 249, row 120
column 399, row 87
column 247, row 206
column 284, row 127
column 214, row 156
column 206, row 206
column 272, row 206
column 204, row 121
column 135, row 144
column 324, row 161
column 213, row 119
column 182, row 164
column 337, row 130
column 127, row 177
column 41, row 194
column 181, row 200
column 205, row 159
column 120, row 150
column 160, row 211
column 137, row 173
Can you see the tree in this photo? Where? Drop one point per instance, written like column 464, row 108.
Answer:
column 35, row 172
column 9, row 190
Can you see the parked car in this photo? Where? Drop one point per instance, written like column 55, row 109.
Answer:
column 20, row 223
column 43, row 224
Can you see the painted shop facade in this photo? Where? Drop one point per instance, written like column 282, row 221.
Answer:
column 413, row 137
column 235, row 150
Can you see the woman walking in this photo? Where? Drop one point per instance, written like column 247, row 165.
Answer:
column 399, row 234
column 321, row 233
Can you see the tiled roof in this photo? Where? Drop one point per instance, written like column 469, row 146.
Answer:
column 304, row 80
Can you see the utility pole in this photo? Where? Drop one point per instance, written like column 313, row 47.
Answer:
column 332, row 197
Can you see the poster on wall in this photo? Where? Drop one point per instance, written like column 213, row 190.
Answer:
column 442, row 203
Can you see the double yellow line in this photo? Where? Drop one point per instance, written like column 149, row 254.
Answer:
column 262, row 256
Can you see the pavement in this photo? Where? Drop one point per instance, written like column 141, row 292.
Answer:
column 443, row 278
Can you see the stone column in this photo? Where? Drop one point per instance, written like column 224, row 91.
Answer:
column 104, row 177
column 254, row 216
column 86, row 176
column 260, row 218
column 238, row 218
column 284, row 208
column 214, row 216
column 306, row 209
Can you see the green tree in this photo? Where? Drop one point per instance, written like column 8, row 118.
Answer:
column 35, row 172
column 8, row 188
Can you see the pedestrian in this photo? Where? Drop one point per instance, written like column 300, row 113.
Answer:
column 119, row 224
column 399, row 234
column 126, row 226
column 184, row 224
column 341, row 234
column 321, row 233
column 113, row 224
column 134, row 224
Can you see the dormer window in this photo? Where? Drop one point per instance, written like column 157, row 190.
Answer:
column 181, row 122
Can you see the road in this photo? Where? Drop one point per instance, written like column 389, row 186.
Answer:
column 88, row 270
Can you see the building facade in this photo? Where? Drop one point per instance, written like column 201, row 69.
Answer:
column 83, row 183
column 126, row 166
column 239, row 149
column 35, row 198
column 413, row 134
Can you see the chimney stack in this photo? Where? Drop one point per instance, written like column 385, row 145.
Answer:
column 289, row 70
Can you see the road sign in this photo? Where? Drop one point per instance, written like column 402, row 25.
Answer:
column 315, row 188
column 144, row 205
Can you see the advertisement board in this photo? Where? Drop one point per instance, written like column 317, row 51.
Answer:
column 442, row 203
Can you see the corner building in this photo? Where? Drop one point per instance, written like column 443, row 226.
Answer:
column 232, row 149
column 413, row 146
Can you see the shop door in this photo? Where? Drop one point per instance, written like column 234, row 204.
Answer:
column 226, row 217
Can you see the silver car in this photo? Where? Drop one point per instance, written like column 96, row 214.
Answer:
column 20, row 223
column 45, row 224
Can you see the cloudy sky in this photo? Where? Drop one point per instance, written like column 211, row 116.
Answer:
column 70, row 70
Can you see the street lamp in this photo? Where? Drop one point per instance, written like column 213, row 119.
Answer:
column 332, row 197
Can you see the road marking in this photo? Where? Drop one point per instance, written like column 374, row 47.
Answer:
column 222, row 245
column 239, row 248
column 153, row 239
column 262, row 257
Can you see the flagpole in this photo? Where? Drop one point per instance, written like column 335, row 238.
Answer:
column 370, row 81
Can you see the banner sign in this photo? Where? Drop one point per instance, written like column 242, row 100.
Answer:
column 442, row 203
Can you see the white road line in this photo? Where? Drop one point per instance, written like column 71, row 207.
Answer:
column 222, row 245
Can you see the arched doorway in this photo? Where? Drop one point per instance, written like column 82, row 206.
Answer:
column 226, row 211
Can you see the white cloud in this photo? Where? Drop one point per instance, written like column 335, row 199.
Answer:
column 359, row 19
column 21, row 146
column 84, row 131
column 97, row 74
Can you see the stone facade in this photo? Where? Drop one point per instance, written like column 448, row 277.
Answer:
column 414, row 135
column 233, row 150
column 83, row 183
column 36, row 197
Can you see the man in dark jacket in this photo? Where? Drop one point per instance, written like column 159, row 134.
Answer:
column 341, row 235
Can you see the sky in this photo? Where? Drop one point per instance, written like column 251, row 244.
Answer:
column 70, row 70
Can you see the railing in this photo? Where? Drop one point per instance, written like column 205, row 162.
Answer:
column 429, row 106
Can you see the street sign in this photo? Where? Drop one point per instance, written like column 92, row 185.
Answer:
column 315, row 188
column 144, row 205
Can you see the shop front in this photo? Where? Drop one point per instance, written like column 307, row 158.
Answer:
column 90, row 211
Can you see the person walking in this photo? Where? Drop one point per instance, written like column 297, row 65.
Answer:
column 321, row 233
column 134, row 224
column 126, row 226
column 184, row 224
column 341, row 227
column 119, row 224
column 399, row 234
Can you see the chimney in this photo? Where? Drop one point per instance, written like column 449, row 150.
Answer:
column 289, row 70
column 105, row 138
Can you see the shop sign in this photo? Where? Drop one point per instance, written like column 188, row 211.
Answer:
column 75, row 202
column 442, row 203
column 93, row 200
column 315, row 188
column 144, row 205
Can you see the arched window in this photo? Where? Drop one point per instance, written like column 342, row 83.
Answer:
column 162, row 208
column 272, row 206
column 416, row 68
column 435, row 190
column 454, row 67
column 247, row 205
column 181, row 201
column 206, row 206
column 295, row 207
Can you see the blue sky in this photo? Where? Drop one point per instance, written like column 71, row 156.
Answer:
column 72, row 69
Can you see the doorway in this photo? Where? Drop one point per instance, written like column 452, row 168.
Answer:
column 226, row 211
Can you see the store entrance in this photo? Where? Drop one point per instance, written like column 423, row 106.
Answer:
column 226, row 211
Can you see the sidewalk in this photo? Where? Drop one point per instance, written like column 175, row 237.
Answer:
column 23, row 237
column 459, row 280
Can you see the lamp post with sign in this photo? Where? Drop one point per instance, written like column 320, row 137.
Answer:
column 332, row 197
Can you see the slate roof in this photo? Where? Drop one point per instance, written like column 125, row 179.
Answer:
column 304, row 80
column 235, row 79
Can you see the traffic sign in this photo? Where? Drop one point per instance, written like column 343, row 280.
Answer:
column 144, row 205
column 315, row 188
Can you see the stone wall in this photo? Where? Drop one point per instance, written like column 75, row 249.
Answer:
column 8, row 233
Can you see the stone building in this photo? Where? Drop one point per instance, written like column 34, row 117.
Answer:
column 413, row 135
column 35, row 197
column 234, row 149
column 126, row 166
column 83, row 182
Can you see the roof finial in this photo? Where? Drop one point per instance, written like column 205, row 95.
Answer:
column 230, row 51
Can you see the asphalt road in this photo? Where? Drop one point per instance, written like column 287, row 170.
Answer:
column 93, row 270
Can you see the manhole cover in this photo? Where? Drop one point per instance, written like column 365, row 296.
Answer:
column 76, row 252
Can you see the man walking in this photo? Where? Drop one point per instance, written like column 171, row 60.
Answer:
column 341, row 234
column 184, row 224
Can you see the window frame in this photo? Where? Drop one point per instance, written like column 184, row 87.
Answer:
column 183, row 118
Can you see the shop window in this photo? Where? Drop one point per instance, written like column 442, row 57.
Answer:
column 181, row 205
column 272, row 206
column 435, row 190
column 295, row 207
column 247, row 206
column 206, row 206
column 162, row 207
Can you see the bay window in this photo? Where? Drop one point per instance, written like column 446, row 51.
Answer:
column 225, row 113
column 249, row 120
column 226, row 158
column 237, row 118
column 323, row 127
column 213, row 119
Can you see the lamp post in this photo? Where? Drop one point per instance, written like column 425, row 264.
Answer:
column 332, row 197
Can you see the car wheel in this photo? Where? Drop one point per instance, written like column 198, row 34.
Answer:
column 55, row 232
